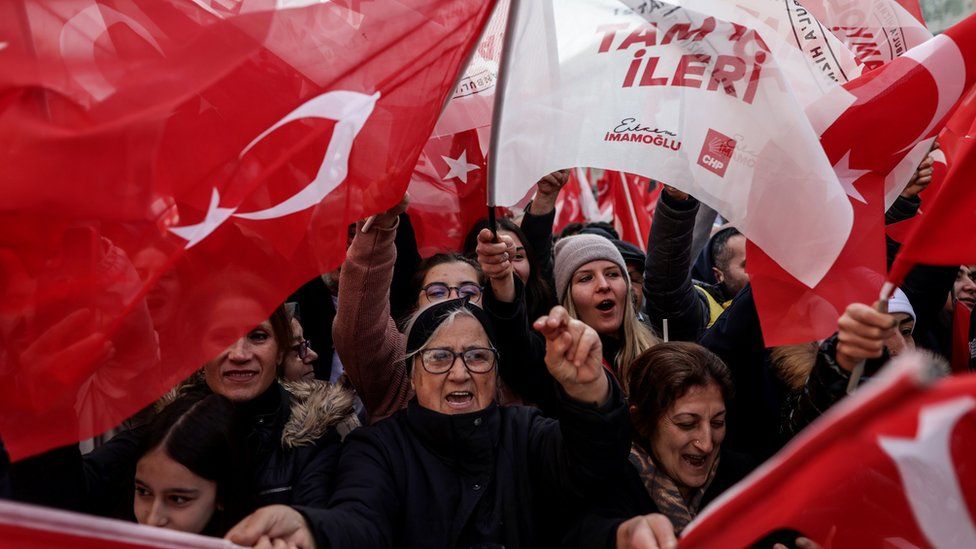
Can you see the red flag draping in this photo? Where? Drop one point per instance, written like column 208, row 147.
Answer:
column 944, row 235
column 890, row 465
column 173, row 170
column 865, row 143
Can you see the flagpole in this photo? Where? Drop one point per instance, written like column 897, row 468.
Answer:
column 496, row 116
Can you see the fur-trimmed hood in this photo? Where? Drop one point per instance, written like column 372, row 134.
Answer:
column 315, row 406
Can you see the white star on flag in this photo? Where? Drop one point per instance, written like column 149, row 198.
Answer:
column 459, row 167
column 848, row 175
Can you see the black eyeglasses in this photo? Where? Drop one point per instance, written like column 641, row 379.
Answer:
column 478, row 360
column 438, row 291
column 302, row 348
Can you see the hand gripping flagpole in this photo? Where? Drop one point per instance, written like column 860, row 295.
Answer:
column 881, row 305
column 496, row 115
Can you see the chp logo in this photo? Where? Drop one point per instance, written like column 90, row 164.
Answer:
column 716, row 152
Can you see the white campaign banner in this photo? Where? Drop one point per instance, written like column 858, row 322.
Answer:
column 680, row 96
column 471, row 104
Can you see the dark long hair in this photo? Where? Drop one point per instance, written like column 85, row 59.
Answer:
column 539, row 294
column 200, row 432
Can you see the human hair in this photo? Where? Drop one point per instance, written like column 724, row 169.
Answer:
column 663, row 374
column 200, row 432
column 539, row 294
column 417, row 282
column 637, row 336
column 571, row 229
column 281, row 326
column 605, row 227
column 721, row 254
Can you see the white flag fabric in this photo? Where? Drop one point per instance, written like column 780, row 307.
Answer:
column 471, row 105
column 877, row 31
column 685, row 98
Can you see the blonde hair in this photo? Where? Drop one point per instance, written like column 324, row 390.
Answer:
column 638, row 337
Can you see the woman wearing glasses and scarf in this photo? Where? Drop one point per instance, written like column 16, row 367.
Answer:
column 454, row 469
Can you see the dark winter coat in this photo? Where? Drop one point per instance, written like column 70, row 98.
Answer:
column 292, row 441
column 490, row 478
column 669, row 291
column 625, row 497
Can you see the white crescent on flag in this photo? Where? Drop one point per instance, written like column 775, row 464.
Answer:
column 350, row 110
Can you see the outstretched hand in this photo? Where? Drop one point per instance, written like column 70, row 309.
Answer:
column 273, row 527
column 574, row 356
column 547, row 189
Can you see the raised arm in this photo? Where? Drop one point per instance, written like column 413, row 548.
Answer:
column 366, row 337
column 668, row 290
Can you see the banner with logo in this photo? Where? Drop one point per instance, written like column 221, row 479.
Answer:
column 678, row 96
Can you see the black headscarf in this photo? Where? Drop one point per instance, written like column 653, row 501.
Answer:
column 432, row 317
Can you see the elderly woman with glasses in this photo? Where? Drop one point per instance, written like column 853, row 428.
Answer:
column 367, row 338
column 454, row 469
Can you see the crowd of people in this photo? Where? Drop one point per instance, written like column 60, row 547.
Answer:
column 529, row 390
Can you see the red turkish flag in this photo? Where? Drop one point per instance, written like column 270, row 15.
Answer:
column 961, row 124
column 29, row 526
column 944, row 235
column 173, row 170
column 448, row 190
column 633, row 207
column 569, row 206
column 889, row 466
column 867, row 145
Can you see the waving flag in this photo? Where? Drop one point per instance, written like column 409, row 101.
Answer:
column 874, row 154
column 173, row 170
column 447, row 191
column 679, row 96
column 877, row 31
column 889, row 465
column 633, row 207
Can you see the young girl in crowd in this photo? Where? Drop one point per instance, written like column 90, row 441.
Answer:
column 189, row 472
column 291, row 432
column 592, row 285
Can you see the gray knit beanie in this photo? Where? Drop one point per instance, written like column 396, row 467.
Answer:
column 575, row 251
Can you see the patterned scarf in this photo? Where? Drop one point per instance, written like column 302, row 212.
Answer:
column 664, row 492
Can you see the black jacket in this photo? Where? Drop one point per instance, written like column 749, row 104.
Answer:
column 668, row 289
column 490, row 478
column 292, row 463
column 754, row 412
column 625, row 497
